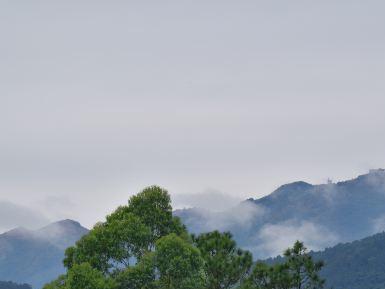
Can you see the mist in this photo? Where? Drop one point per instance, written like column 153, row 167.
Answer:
column 98, row 103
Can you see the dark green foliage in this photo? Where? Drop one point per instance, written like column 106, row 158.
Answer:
column 264, row 276
column 59, row 283
column 131, row 246
column 175, row 264
column 83, row 276
column 296, row 271
column 153, row 207
column 179, row 263
column 142, row 275
column 128, row 233
column 356, row 265
column 225, row 264
column 304, row 272
column 111, row 245
column 11, row 285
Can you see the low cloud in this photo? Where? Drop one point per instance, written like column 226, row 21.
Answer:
column 275, row 238
column 239, row 217
column 13, row 215
column 242, row 216
column 58, row 207
column 212, row 200
column 329, row 192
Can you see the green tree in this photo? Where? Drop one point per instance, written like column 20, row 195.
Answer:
column 113, row 247
column 175, row 264
column 298, row 271
column 264, row 276
column 179, row 263
column 59, row 283
column 128, row 233
column 110, row 245
column 153, row 207
column 303, row 270
column 141, row 276
column 94, row 248
column 83, row 276
column 225, row 264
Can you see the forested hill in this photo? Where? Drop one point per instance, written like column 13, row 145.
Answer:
column 11, row 285
column 356, row 265
column 320, row 215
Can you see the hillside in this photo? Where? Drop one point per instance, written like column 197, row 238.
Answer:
column 354, row 265
column 35, row 257
column 320, row 215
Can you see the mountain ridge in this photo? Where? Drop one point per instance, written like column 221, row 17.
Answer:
column 321, row 215
column 359, row 264
column 35, row 256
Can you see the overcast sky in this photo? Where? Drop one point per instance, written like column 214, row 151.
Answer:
column 101, row 98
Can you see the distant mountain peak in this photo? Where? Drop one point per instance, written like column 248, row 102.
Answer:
column 296, row 185
column 35, row 256
column 67, row 223
column 293, row 187
column 61, row 232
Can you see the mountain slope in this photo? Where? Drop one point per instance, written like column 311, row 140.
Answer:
column 355, row 265
column 320, row 215
column 35, row 257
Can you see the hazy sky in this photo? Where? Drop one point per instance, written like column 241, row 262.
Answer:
column 101, row 98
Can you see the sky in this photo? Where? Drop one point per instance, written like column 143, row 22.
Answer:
column 216, row 101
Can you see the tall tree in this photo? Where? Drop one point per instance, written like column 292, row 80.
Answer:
column 225, row 264
column 264, row 276
column 303, row 270
column 298, row 271
column 128, row 233
column 153, row 207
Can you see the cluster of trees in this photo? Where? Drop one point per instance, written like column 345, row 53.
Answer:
column 12, row 285
column 143, row 246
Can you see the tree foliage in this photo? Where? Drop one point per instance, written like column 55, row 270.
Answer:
column 179, row 263
column 127, row 234
column 303, row 271
column 225, row 264
column 298, row 271
column 142, row 246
